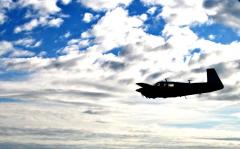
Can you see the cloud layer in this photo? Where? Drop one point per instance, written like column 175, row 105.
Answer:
column 84, row 96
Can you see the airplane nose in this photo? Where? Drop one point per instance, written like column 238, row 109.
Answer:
column 139, row 84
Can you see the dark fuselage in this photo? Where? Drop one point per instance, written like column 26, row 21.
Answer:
column 175, row 89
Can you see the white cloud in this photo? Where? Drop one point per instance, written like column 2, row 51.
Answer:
column 42, row 7
column 211, row 37
column 56, row 22
column 67, row 35
column 43, row 13
column 5, row 47
column 177, row 48
column 85, row 34
column 66, row 2
column 42, row 21
column 117, row 29
column 65, row 115
column 180, row 12
column 37, row 44
column 25, row 42
column 4, row 7
column 8, row 48
column 152, row 10
column 17, row 63
column 21, row 53
column 143, row 17
column 27, row 26
column 42, row 53
column 217, row 52
column 100, row 5
column 74, row 46
column 88, row 17
column 28, row 42
column 225, row 11
column 2, row 18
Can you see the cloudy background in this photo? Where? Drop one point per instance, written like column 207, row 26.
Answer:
column 68, row 70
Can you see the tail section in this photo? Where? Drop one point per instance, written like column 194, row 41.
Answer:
column 213, row 80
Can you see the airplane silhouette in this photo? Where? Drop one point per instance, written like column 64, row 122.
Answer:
column 165, row 89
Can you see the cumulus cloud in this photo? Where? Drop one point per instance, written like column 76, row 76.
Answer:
column 211, row 37
column 28, row 26
column 43, row 13
column 213, row 53
column 152, row 10
column 42, row 21
column 2, row 18
column 121, row 30
column 75, row 45
column 179, row 12
column 225, row 11
column 28, row 42
column 7, row 48
column 56, row 22
column 66, row 2
column 139, row 51
column 67, row 35
column 87, row 17
column 100, row 5
column 41, row 7
column 5, row 6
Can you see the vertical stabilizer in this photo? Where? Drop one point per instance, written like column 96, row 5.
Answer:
column 213, row 80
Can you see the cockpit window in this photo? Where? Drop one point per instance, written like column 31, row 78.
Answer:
column 164, row 84
column 159, row 84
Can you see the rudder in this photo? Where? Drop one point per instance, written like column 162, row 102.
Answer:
column 213, row 80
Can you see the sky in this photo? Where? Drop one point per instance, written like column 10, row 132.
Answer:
column 68, row 70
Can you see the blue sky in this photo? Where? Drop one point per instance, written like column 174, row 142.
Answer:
column 75, row 63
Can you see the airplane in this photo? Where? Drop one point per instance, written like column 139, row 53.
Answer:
column 165, row 89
